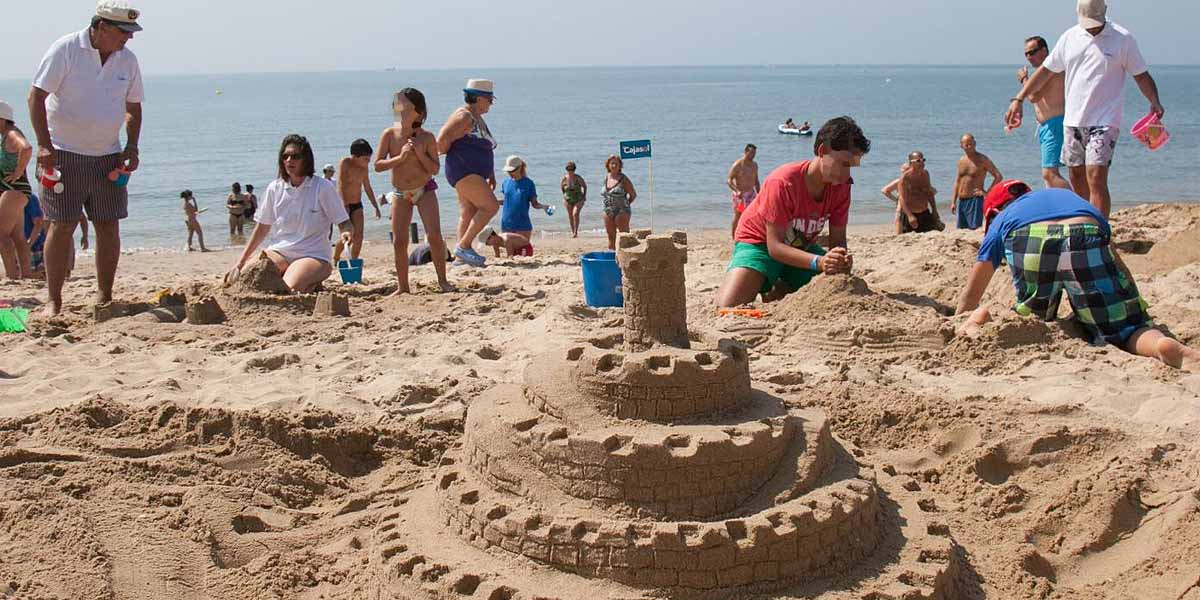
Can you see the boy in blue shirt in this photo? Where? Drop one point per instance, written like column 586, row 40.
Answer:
column 1055, row 241
column 519, row 195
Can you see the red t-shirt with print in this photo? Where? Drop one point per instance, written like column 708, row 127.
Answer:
column 784, row 200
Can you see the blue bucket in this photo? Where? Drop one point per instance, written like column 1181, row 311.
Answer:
column 602, row 279
column 351, row 270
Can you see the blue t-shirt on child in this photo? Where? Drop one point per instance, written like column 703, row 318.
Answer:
column 33, row 212
column 517, row 195
column 1035, row 207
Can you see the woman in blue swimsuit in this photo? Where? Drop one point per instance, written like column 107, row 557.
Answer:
column 470, row 166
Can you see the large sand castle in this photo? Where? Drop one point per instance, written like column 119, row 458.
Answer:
column 642, row 463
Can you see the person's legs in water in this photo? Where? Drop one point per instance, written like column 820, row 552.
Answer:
column 475, row 191
column 195, row 226
column 12, row 219
column 58, row 255
column 431, row 218
column 401, row 217
column 573, row 213
column 233, row 225
column 108, row 254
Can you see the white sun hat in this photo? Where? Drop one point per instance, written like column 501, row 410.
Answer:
column 513, row 163
column 6, row 111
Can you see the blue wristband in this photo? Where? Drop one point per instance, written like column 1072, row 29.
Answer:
column 815, row 266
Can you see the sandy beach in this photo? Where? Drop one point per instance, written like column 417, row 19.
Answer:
column 144, row 458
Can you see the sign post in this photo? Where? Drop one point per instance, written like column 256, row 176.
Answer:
column 636, row 149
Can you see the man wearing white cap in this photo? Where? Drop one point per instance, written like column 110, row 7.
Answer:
column 1095, row 56
column 87, row 87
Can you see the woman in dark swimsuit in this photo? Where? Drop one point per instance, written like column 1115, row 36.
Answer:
column 470, row 166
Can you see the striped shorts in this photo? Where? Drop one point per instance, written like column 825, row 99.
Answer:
column 1047, row 260
column 86, row 187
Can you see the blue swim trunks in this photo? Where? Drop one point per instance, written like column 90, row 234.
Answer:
column 1050, row 136
column 970, row 213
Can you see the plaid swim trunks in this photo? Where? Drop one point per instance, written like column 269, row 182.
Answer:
column 1047, row 259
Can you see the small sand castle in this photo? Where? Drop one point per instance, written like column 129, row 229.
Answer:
column 637, row 464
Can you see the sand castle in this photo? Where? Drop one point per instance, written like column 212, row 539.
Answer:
column 641, row 463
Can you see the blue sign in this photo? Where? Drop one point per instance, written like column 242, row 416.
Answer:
column 635, row 149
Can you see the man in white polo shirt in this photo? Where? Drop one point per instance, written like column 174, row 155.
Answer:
column 1095, row 56
column 87, row 87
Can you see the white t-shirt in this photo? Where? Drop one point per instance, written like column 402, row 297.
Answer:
column 1095, row 70
column 300, row 217
column 86, row 107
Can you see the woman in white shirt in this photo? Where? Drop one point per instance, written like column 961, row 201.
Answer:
column 294, row 218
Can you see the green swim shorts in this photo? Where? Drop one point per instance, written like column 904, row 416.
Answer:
column 756, row 258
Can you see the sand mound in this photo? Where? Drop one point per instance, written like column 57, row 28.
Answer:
column 841, row 297
column 262, row 276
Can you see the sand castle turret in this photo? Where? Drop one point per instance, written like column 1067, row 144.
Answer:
column 640, row 463
column 653, row 280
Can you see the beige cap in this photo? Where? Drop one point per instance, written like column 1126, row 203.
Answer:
column 1092, row 13
column 6, row 111
column 480, row 87
column 486, row 235
column 120, row 13
column 513, row 163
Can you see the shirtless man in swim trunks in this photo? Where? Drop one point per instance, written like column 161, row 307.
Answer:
column 353, row 177
column 918, row 210
column 743, row 182
column 969, row 188
column 1049, row 104
column 411, row 154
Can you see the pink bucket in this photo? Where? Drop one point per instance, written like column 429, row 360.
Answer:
column 1150, row 131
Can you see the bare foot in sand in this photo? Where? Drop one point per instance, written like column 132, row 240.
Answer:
column 1174, row 354
column 446, row 287
column 400, row 291
column 51, row 311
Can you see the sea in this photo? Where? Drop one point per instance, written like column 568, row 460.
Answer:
column 205, row 132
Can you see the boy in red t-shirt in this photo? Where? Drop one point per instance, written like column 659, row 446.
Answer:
column 775, row 250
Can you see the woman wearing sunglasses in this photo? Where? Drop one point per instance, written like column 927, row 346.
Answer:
column 294, row 219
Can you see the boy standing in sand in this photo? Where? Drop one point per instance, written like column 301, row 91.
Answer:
column 775, row 250
column 743, row 182
column 1055, row 241
column 918, row 210
column 354, row 176
column 969, row 188
column 411, row 154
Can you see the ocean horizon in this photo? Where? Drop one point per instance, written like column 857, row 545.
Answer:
column 698, row 117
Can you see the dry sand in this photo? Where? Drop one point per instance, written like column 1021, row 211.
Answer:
column 145, row 458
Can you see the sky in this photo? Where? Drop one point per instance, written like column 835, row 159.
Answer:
column 234, row 36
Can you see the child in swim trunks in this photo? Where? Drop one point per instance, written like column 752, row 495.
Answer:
column 1055, row 241
column 411, row 154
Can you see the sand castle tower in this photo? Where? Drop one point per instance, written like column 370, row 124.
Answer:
column 641, row 463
